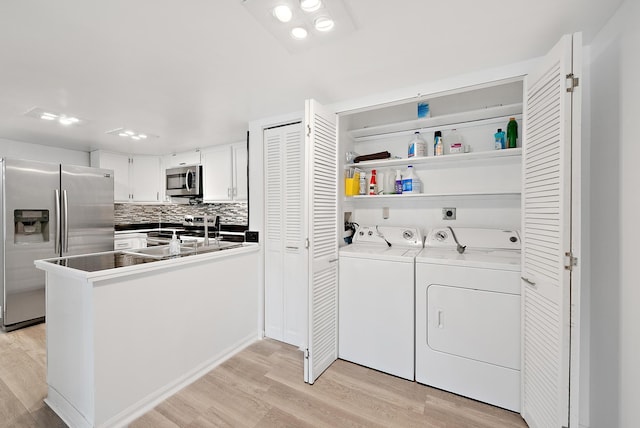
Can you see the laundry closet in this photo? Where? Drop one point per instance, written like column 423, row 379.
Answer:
column 522, row 192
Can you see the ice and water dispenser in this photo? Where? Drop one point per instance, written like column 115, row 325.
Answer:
column 31, row 226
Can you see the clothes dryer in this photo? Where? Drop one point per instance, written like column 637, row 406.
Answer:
column 468, row 314
column 376, row 299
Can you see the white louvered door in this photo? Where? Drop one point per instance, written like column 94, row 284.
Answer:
column 546, row 208
column 321, row 205
column 285, row 256
column 274, row 262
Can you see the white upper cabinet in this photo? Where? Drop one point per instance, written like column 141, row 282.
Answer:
column 225, row 173
column 136, row 178
column 144, row 178
column 182, row 159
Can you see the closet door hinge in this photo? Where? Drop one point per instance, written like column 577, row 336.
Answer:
column 571, row 262
column 306, row 243
column 572, row 82
column 306, row 353
column 308, row 130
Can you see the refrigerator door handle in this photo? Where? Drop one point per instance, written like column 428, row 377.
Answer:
column 58, row 237
column 65, row 216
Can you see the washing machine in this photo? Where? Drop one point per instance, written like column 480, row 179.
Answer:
column 376, row 299
column 468, row 314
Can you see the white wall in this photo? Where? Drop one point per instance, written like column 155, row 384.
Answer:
column 20, row 150
column 615, row 233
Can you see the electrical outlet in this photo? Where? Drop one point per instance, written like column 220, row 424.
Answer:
column 448, row 213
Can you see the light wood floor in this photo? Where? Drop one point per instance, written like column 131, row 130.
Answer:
column 260, row 387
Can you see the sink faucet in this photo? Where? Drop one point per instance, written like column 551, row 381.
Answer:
column 216, row 226
column 206, row 231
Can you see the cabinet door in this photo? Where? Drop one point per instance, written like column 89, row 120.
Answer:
column 240, row 160
column 181, row 159
column 145, row 178
column 120, row 165
column 217, row 170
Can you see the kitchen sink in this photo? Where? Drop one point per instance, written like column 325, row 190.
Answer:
column 160, row 252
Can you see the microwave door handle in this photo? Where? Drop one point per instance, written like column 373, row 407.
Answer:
column 58, row 220
column 188, row 179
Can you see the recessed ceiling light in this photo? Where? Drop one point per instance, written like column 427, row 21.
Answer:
column 283, row 13
column 299, row 33
column 310, row 5
column 324, row 24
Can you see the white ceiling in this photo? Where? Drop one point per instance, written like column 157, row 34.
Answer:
column 194, row 72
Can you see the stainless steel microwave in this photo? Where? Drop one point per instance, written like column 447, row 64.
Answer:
column 184, row 181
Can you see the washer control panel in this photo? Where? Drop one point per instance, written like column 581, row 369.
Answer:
column 395, row 235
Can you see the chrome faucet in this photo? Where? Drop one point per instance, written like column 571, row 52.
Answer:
column 206, row 231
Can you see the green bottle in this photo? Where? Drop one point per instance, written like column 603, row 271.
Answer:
column 512, row 133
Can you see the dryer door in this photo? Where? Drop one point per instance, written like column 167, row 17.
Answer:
column 479, row 325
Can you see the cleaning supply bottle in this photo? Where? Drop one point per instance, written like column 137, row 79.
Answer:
column 380, row 187
column 174, row 245
column 438, row 148
column 407, row 180
column 499, row 139
column 363, row 184
column 512, row 133
column 398, row 183
column 417, row 146
column 436, row 136
column 373, row 185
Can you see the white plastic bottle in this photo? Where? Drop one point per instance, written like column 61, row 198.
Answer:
column 364, row 187
column 417, row 146
column 174, row 245
column 407, row 180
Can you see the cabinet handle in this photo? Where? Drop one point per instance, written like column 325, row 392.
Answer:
column 528, row 281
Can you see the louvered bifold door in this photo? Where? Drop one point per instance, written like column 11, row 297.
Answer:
column 295, row 257
column 274, row 234
column 321, row 205
column 546, row 207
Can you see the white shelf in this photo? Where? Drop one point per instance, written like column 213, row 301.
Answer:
column 446, row 160
column 429, row 124
column 492, row 194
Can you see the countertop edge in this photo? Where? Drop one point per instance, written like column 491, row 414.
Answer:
column 144, row 267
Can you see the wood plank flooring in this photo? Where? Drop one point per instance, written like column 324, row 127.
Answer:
column 260, row 387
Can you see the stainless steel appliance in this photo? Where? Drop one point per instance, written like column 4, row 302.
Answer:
column 48, row 210
column 184, row 181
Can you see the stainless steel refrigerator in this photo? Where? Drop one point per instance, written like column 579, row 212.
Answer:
column 48, row 210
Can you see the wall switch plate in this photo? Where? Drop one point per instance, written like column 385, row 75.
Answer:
column 251, row 236
column 448, row 213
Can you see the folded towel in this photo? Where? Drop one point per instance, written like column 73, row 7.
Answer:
column 372, row 156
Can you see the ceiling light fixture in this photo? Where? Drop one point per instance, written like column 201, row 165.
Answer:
column 310, row 5
column 299, row 33
column 130, row 133
column 48, row 115
column 283, row 13
column 324, row 24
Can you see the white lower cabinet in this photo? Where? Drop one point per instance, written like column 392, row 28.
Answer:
column 136, row 178
column 225, row 173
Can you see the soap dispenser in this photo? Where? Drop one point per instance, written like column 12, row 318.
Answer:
column 174, row 245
